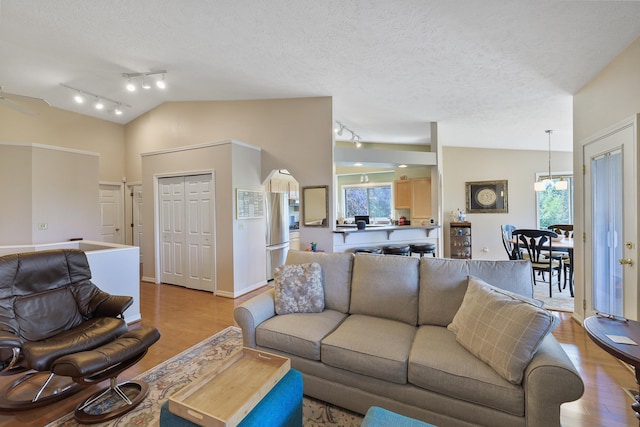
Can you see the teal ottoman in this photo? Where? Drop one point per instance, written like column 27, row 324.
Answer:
column 379, row 417
column 281, row 407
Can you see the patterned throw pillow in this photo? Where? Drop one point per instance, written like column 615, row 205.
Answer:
column 298, row 288
column 500, row 329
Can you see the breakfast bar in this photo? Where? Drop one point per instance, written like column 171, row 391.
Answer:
column 348, row 237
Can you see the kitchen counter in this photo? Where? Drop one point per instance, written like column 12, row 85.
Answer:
column 348, row 229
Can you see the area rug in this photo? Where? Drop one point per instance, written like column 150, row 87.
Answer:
column 170, row 376
column 560, row 301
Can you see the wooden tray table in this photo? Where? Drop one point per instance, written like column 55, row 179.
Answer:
column 225, row 396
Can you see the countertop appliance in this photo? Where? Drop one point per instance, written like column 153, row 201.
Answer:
column 277, row 216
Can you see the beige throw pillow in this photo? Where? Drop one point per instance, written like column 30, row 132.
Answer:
column 298, row 288
column 500, row 328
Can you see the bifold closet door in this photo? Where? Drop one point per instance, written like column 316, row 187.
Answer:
column 186, row 220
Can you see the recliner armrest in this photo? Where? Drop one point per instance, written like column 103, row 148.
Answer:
column 113, row 306
column 9, row 340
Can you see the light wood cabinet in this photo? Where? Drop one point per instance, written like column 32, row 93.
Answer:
column 415, row 195
column 402, row 194
column 421, row 198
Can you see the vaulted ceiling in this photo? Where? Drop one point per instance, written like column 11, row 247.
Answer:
column 491, row 73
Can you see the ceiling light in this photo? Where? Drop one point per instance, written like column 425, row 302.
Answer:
column 146, row 82
column 355, row 138
column 547, row 183
column 100, row 103
column 161, row 84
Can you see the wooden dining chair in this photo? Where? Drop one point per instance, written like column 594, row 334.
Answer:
column 535, row 245
column 565, row 230
column 507, row 240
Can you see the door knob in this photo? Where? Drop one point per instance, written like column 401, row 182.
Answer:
column 626, row 261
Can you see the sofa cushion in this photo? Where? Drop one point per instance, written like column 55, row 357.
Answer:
column 298, row 333
column 336, row 275
column 385, row 286
column 438, row 363
column 370, row 346
column 443, row 283
column 500, row 329
column 298, row 288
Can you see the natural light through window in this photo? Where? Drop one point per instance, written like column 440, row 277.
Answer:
column 554, row 206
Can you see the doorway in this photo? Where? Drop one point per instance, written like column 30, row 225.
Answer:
column 111, row 213
column 187, row 250
column 610, row 224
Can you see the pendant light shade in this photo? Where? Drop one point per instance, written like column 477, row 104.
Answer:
column 542, row 185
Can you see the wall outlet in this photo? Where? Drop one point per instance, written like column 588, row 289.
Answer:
column 485, row 249
column 43, row 226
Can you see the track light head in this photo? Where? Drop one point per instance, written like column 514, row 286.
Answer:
column 99, row 105
column 79, row 98
column 130, row 86
column 161, row 84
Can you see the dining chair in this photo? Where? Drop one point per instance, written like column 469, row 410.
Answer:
column 507, row 240
column 535, row 245
column 565, row 230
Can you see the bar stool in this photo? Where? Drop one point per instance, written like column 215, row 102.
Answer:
column 396, row 250
column 374, row 250
column 422, row 248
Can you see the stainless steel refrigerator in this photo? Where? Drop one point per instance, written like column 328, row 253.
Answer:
column 277, row 215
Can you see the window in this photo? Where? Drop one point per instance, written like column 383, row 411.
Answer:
column 555, row 206
column 370, row 199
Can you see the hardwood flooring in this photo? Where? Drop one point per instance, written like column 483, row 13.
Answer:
column 185, row 317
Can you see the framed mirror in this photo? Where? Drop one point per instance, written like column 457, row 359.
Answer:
column 315, row 206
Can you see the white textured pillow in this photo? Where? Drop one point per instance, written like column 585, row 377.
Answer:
column 298, row 288
column 500, row 328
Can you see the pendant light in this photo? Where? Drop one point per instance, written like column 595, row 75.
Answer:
column 542, row 185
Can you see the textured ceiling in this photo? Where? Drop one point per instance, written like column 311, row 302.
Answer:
column 491, row 73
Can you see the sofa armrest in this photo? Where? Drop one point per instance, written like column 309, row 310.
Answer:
column 251, row 313
column 550, row 380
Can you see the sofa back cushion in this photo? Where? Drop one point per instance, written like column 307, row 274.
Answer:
column 336, row 275
column 385, row 286
column 443, row 283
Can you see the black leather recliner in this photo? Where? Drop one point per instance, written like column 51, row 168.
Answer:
column 54, row 322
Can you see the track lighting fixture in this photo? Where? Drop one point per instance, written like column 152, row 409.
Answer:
column 355, row 138
column 145, row 82
column 99, row 102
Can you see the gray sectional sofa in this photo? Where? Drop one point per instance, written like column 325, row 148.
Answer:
column 382, row 339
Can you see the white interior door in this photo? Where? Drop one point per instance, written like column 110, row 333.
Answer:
column 172, row 230
column 111, row 213
column 611, row 222
column 199, row 236
column 136, row 221
column 186, row 221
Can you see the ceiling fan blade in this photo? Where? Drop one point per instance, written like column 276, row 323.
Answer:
column 17, row 107
column 23, row 98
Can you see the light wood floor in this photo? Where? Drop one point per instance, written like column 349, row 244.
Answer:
column 185, row 317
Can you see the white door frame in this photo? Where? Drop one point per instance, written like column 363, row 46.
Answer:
column 630, row 216
column 121, row 217
column 157, row 235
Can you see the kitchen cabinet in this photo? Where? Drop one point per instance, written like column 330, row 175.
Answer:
column 415, row 195
column 421, row 198
column 402, row 194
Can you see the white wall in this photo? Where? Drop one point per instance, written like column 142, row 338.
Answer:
column 610, row 97
column 48, row 185
column 518, row 167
